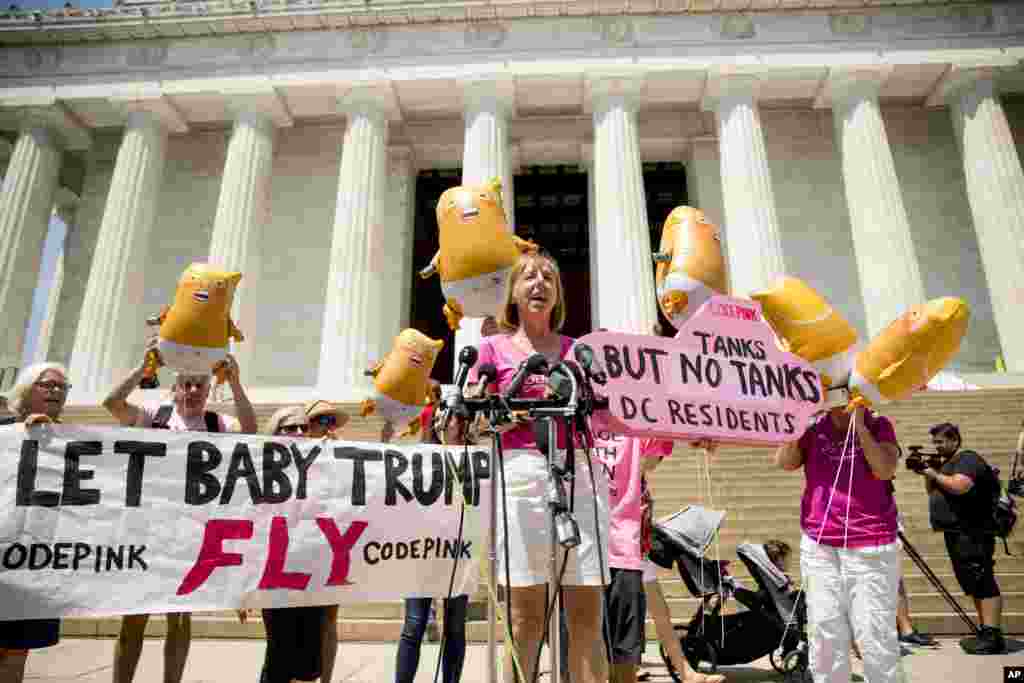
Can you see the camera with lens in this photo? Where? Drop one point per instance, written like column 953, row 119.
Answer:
column 918, row 461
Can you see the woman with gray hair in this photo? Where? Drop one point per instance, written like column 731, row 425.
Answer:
column 38, row 397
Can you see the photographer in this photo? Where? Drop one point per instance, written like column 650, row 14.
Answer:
column 961, row 489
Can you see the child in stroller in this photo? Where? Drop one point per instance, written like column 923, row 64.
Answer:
column 769, row 625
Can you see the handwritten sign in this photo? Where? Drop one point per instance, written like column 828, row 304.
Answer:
column 101, row 521
column 722, row 377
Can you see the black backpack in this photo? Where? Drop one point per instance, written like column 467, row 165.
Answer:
column 1004, row 509
column 163, row 417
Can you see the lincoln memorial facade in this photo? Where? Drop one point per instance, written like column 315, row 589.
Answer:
column 871, row 148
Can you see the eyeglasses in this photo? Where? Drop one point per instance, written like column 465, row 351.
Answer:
column 326, row 420
column 51, row 386
column 293, row 429
column 193, row 383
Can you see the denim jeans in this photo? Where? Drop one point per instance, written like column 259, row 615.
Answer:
column 417, row 613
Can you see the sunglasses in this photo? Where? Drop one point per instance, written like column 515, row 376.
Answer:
column 293, row 429
column 326, row 420
column 54, row 386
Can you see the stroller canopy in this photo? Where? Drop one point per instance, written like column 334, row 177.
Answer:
column 756, row 554
column 691, row 529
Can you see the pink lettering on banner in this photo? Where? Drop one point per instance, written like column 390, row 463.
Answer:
column 723, row 377
column 274, row 575
column 211, row 553
column 341, row 548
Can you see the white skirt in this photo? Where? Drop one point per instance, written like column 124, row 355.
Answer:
column 529, row 522
column 192, row 360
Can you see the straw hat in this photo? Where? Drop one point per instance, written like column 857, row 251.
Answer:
column 318, row 407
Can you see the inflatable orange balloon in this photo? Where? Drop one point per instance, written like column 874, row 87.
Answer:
column 402, row 379
column 690, row 266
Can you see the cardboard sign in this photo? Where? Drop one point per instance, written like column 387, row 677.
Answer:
column 98, row 521
column 723, row 377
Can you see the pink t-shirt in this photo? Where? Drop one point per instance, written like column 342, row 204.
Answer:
column 177, row 423
column 872, row 516
column 621, row 457
column 506, row 358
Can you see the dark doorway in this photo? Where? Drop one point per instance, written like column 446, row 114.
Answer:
column 552, row 209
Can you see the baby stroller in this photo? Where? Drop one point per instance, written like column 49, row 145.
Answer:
column 711, row 639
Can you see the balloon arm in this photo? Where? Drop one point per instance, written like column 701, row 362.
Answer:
column 234, row 332
column 660, row 257
column 524, row 246
column 431, row 268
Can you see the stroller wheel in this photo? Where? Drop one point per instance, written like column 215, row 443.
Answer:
column 777, row 658
column 699, row 651
column 795, row 668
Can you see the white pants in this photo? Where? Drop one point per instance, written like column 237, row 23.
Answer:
column 852, row 589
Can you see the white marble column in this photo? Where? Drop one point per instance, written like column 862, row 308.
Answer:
column 625, row 298
column 995, row 189
column 241, row 214
column 26, row 202
column 486, row 154
column 890, row 277
column 751, row 226
column 41, row 352
column 393, row 252
column 354, row 303
column 111, row 326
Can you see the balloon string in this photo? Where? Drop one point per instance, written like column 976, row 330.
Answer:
column 718, row 553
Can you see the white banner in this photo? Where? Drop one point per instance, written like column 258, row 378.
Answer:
column 104, row 521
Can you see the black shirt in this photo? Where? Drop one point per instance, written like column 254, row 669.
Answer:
column 971, row 511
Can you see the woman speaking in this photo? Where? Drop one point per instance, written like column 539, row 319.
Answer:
column 530, row 320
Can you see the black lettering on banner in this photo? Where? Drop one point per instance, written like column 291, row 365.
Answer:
column 756, row 380
column 812, row 381
column 748, row 352
column 388, row 550
column 612, row 362
column 60, row 555
column 638, row 373
column 82, row 551
column 401, row 551
column 732, row 421
column 137, row 452
column 277, row 487
column 744, row 421
column 713, row 372
column 241, row 466
column 135, row 556
column 687, row 366
column 760, row 354
column 395, row 465
column 790, row 423
column 358, row 456
column 691, row 413
column 655, row 355
column 775, row 380
column 115, row 559
column 629, row 409
column 793, row 382
column 427, row 496
column 703, row 341
column 460, row 471
column 705, row 411
column 74, row 475
column 201, row 487
column 740, row 365
column 775, row 420
column 760, row 422
column 302, row 464
column 735, row 347
column 644, row 405
column 39, row 556
column 414, row 549
column 27, row 464
column 673, row 412
column 15, row 556
column 372, row 545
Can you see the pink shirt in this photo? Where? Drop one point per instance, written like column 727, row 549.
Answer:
column 177, row 423
column 506, row 357
column 872, row 515
column 621, row 457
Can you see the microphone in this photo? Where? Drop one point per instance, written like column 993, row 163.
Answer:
column 585, row 357
column 531, row 366
column 560, row 383
column 453, row 401
column 487, row 374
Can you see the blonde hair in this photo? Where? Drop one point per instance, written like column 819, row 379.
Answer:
column 279, row 416
column 26, row 378
column 508, row 316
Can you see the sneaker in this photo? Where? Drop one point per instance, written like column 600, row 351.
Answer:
column 989, row 642
column 917, row 639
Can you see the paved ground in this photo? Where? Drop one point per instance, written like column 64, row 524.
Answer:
column 77, row 660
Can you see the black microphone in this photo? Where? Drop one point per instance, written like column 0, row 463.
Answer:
column 487, row 374
column 585, row 357
column 560, row 383
column 531, row 366
column 453, row 402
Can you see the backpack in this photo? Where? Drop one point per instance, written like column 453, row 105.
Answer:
column 163, row 417
column 1004, row 510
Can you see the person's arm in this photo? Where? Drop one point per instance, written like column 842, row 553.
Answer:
column 116, row 403
column 243, row 406
column 789, row 456
column 883, row 457
column 957, row 483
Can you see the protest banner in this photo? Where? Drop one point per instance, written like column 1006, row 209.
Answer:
column 723, row 377
column 101, row 521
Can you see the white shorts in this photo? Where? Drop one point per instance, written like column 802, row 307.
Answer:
column 529, row 535
column 479, row 296
column 393, row 411
column 192, row 360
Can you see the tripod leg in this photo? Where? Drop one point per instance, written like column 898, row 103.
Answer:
column 935, row 581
